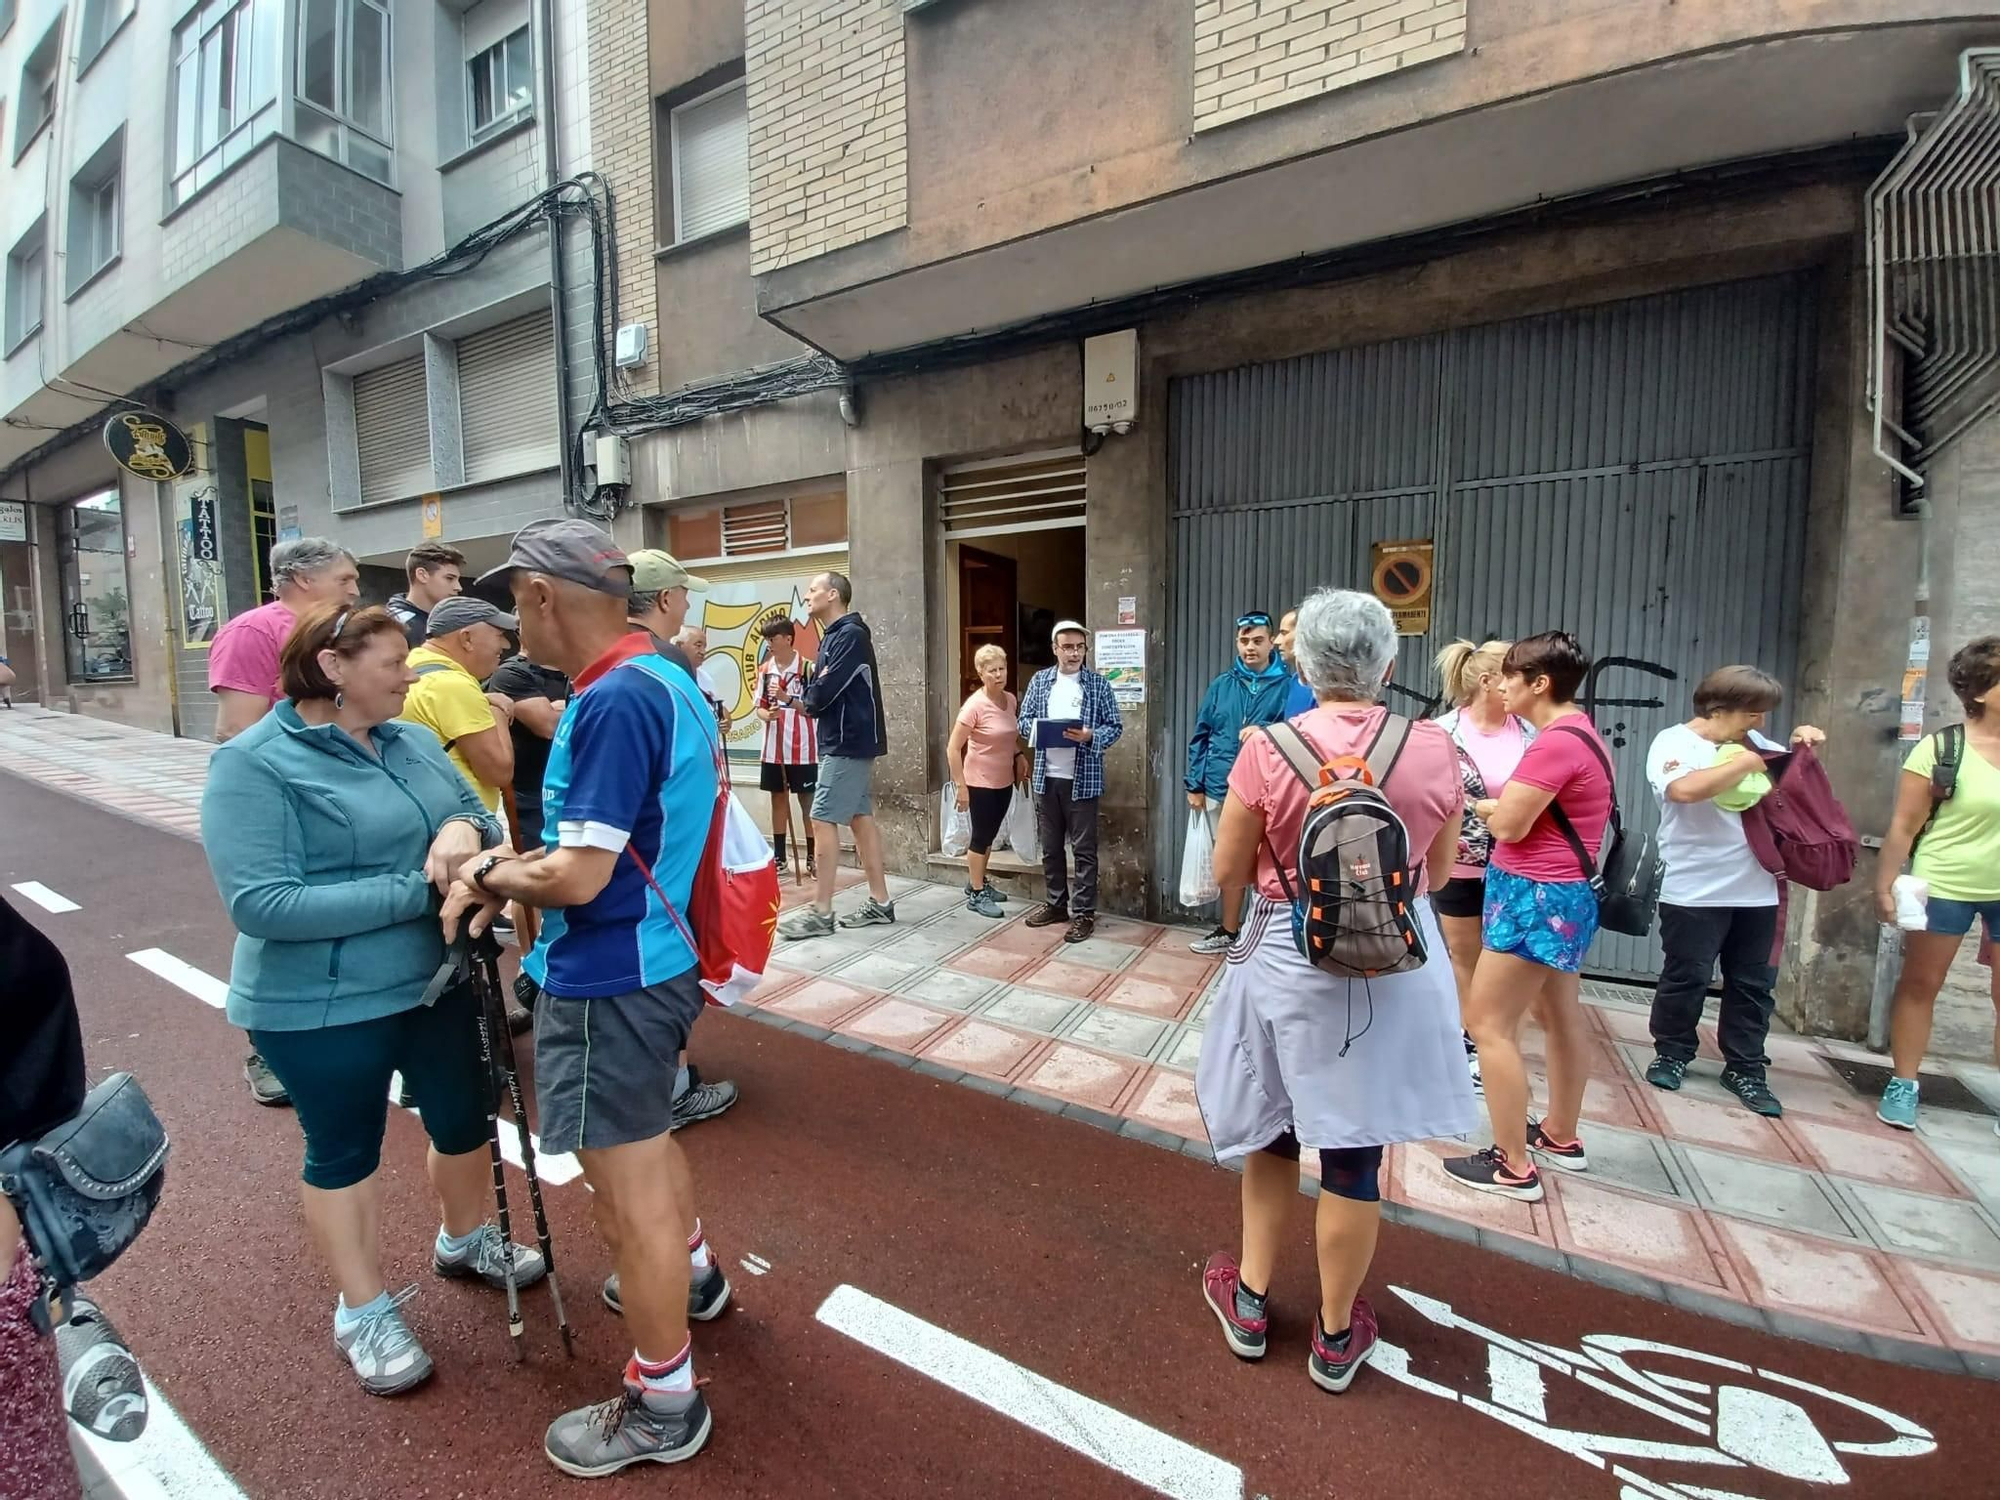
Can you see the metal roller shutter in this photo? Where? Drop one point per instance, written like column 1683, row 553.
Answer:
column 1635, row 472
column 711, row 145
column 507, row 399
column 392, row 429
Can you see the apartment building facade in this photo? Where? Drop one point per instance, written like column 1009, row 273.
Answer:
column 241, row 218
column 1574, row 299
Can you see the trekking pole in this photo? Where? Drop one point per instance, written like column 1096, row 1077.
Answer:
column 489, row 1057
column 493, row 1024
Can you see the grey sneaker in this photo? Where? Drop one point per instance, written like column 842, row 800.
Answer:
column 984, row 904
column 485, row 1259
column 102, row 1388
column 383, row 1351
column 708, row 1293
column 703, row 1101
column 871, row 913
column 999, row 896
column 636, row 1426
column 810, row 923
column 264, row 1085
column 1221, row 940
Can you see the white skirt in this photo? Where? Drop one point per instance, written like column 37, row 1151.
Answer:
column 1339, row 1062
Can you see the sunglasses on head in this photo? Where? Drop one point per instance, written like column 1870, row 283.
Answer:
column 339, row 624
column 1255, row 620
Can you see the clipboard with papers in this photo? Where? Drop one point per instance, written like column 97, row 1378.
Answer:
column 1049, row 733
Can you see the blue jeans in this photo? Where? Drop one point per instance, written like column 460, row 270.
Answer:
column 1954, row 918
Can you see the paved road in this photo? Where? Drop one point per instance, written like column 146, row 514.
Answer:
column 922, row 1240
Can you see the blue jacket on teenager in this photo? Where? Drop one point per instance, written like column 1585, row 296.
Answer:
column 318, row 851
column 845, row 695
column 1237, row 698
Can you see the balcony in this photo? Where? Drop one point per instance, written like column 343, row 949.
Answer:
column 1105, row 182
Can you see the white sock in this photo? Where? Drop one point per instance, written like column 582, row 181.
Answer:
column 674, row 1377
column 700, row 1257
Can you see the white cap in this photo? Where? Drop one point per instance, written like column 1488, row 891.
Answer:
column 1062, row 625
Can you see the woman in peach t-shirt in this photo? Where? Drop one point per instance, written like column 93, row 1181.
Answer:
column 986, row 761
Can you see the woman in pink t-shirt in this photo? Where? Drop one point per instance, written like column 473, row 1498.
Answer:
column 985, row 757
column 1540, row 916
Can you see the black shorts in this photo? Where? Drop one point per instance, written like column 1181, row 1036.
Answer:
column 1461, row 896
column 989, row 810
column 773, row 777
column 605, row 1066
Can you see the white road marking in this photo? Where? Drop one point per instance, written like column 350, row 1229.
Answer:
column 45, row 898
column 165, row 1462
column 756, row 1265
column 199, row 983
column 1162, row 1463
column 554, row 1168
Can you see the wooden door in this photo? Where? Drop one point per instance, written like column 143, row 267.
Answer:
column 987, row 611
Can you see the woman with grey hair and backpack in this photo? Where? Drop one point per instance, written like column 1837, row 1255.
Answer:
column 1336, row 1027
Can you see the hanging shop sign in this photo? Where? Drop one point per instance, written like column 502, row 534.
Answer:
column 148, row 445
column 1401, row 576
column 13, row 521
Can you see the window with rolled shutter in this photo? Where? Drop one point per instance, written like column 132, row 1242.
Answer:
column 392, row 429
column 507, row 399
column 711, row 145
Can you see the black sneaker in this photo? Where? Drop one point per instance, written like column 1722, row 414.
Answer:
column 264, row 1085
column 1488, row 1172
column 635, row 1426
column 1666, row 1073
column 1754, row 1091
column 1049, row 915
column 1570, row 1158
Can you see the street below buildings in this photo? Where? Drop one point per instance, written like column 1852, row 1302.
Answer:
column 937, row 1291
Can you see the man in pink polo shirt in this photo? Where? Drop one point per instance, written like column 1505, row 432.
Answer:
column 243, row 674
column 243, row 658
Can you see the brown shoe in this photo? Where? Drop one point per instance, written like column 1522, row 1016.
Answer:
column 1047, row 915
column 1081, row 928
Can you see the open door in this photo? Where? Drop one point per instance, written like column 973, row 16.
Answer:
column 987, row 611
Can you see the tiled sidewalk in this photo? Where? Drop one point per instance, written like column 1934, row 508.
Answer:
column 1825, row 1225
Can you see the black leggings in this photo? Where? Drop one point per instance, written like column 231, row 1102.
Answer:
column 989, row 811
column 1345, row 1171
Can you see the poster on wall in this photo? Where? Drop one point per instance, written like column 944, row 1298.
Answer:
column 202, row 604
column 733, row 614
column 1120, row 659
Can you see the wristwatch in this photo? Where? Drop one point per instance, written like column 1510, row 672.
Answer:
column 485, row 868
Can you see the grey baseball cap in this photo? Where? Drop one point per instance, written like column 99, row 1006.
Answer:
column 461, row 610
column 563, row 547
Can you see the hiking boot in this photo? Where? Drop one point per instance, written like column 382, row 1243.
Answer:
column 703, row 1101
column 708, row 1292
column 1048, row 914
column 984, row 904
column 1334, row 1363
column 810, row 923
column 871, row 913
column 1488, row 1172
column 1666, row 1073
column 1755, row 1092
column 384, row 1353
column 1245, row 1327
column 635, row 1426
column 1899, row 1104
column 264, row 1085
column 1570, row 1157
column 1081, row 926
column 102, row 1388
column 485, row 1259
column 1219, row 940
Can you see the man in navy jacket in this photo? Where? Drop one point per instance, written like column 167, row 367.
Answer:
column 845, row 699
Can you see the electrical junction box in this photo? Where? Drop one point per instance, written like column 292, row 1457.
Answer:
column 1111, row 379
column 630, row 349
column 614, row 460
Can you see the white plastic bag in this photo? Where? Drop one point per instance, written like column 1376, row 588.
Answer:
column 1198, row 886
column 954, row 823
column 1024, row 833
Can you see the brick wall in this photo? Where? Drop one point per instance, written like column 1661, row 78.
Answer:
column 828, row 142
column 1254, row 55
column 621, row 148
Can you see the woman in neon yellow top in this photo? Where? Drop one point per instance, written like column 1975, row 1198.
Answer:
column 1958, row 856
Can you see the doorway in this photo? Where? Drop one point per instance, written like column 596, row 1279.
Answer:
column 988, row 601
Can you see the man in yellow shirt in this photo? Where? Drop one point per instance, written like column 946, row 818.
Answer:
column 465, row 641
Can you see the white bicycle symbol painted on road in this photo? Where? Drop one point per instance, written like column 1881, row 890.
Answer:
column 1734, row 1425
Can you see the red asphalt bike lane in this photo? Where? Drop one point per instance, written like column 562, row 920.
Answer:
column 1066, row 1250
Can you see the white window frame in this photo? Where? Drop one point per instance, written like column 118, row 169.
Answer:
column 253, row 118
column 89, row 191
column 39, row 73
column 735, row 85
column 345, row 128
column 32, row 249
column 493, row 61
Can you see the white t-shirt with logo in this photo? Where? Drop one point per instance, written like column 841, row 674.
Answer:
column 1065, row 702
column 1708, row 856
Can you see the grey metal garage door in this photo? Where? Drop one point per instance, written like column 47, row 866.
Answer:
column 1635, row 472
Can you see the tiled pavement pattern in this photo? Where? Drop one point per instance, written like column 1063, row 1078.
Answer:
column 1825, row 1225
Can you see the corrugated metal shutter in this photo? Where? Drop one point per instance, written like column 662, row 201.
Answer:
column 507, row 399
column 1023, row 492
column 711, row 142
column 1636, row 473
column 392, row 429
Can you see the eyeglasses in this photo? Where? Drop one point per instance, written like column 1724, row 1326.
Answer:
column 1255, row 620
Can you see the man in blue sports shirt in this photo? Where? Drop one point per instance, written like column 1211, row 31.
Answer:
column 627, row 802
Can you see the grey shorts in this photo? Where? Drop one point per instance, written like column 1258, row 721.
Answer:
column 846, row 790
column 605, row 1066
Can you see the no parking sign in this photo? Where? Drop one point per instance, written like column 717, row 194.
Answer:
column 1401, row 577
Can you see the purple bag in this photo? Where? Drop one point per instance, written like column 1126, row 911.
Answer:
column 1798, row 830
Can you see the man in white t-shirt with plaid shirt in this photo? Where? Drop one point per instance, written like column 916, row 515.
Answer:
column 790, row 757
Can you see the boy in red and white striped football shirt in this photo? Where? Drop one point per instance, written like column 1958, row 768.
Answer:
column 791, row 740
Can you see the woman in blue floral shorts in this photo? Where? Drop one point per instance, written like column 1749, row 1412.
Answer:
column 1539, row 918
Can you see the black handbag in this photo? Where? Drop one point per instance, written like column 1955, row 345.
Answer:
column 86, row 1189
column 1628, row 872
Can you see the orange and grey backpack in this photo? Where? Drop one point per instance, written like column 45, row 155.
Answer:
column 1353, row 911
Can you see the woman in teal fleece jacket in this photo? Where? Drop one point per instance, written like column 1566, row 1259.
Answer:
column 329, row 831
